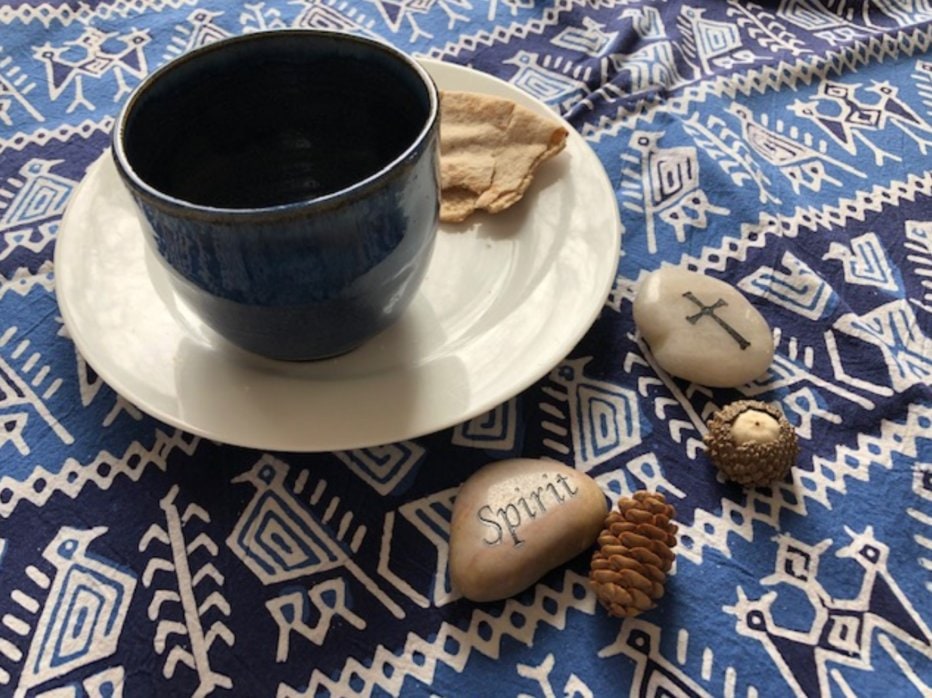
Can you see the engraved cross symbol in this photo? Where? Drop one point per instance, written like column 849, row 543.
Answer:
column 709, row 311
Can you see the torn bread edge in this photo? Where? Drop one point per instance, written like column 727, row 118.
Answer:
column 490, row 149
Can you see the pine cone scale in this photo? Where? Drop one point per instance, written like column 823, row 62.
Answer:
column 635, row 540
column 600, row 564
column 655, row 574
column 638, row 516
column 647, row 557
column 606, row 538
column 621, row 562
column 603, row 576
column 611, row 550
column 655, row 533
column 663, row 550
column 634, row 580
column 619, row 596
column 619, row 527
column 642, row 602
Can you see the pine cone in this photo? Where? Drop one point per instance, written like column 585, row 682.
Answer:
column 635, row 553
column 751, row 443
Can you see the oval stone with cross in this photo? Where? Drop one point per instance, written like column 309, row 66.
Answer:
column 702, row 329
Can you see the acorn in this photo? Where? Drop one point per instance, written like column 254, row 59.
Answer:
column 751, row 443
column 629, row 570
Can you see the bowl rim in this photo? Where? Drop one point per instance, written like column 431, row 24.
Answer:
column 152, row 196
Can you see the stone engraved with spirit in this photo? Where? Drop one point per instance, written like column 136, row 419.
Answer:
column 523, row 507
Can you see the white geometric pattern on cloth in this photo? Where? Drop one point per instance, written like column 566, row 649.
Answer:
column 90, row 57
column 829, row 26
column 801, row 164
column 18, row 390
column 542, row 79
column 13, row 92
column 803, row 407
column 83, row 612
column 192, row 649
column 430, row 516
column 649, row 66
column 654, row 675
column 384, row 468
column 798, row 289
column 715, row 44
column 452, row 646
column 893, row 328
column 850, row 117
column 842, row 630
column 30, row 205
column 590, row 39
column 279, row 538
column 291, row 613
column 829, row 474
column 90, row 385
column 721, row 143
column 919, row 241
column 102, row 469
column 275, row 537
column 643, row 472
column 574, row 685
column 600, row 418
column 667, row 187
column 199, row 31
column 922, row 487
column 397, row 13
column 325, row 15
column 905, row 13
column 496, row 430
column 21, row 282
column 105, row 684
column 865, row 262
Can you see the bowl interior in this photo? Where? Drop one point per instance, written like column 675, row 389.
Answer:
column 274, row 119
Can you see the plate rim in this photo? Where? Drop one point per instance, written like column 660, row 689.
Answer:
column 490, row 402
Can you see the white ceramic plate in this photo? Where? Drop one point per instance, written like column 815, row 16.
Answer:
column 505, row 299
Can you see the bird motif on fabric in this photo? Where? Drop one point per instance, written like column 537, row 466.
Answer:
column 842, row 631
column 864, row 261
column 83, row 615
column 536, row 76
column 93, row 55
column 803, row 166
column 279, row 537
column 716, row 44
column 669, row 182
column 396, row 12
column 201, row 30
column 847, row 118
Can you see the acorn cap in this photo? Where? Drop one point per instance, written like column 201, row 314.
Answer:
column 751, row 443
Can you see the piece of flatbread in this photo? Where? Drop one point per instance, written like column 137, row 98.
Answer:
column 490, row 148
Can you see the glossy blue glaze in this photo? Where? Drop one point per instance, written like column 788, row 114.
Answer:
column 335, row 160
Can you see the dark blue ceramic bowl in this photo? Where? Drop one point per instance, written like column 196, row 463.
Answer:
column 290, row 183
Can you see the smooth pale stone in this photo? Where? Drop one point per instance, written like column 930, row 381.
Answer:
column 515, row 520
column 702, row 329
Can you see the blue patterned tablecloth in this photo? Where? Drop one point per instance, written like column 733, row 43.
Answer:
column 782, row 146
